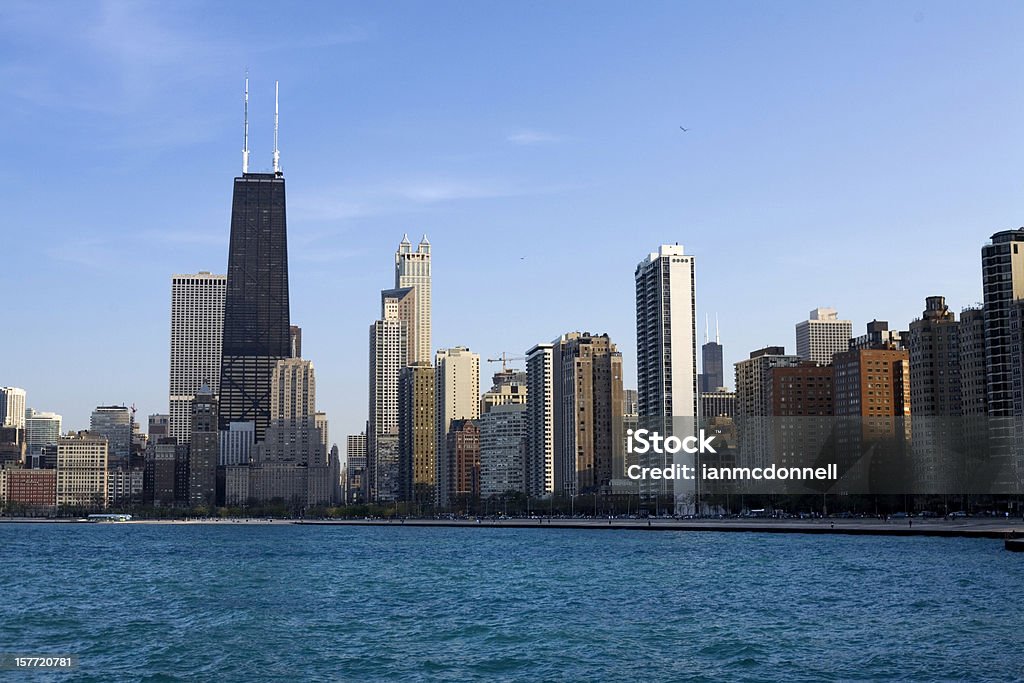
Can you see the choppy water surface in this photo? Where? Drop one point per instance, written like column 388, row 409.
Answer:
column 253, row 603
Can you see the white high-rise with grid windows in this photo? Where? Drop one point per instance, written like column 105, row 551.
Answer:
column 388, row 354
column 666, row 334
column 822, row 336
column 197, row 327
column 540, row 420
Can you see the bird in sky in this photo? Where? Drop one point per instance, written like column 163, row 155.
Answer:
column 685, row 130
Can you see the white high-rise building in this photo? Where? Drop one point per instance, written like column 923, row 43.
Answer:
column 412, row 269
column 666, row 335
column 457, row 397
column 540, row 421
column 388, row 354
column 41, row 429
column 822, row 335
column 12, row 407
column 197, row 327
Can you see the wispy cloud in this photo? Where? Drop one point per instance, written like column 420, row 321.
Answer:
column 346, row 203
column 121, row 60
column 88, row 252
column 531, row 137
column 453, row 190
column 182, row 237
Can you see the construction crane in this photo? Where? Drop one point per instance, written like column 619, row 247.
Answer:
column 504, row 359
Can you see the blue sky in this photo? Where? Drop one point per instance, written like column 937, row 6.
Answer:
column 854, row 155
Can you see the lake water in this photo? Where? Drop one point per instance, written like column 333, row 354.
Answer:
column 287, row 603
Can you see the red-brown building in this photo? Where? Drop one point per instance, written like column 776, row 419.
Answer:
column 872, row 383
column 804, row 390
column 463, row 460
column 32, row 488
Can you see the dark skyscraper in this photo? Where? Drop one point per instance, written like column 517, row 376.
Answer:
column 713, row 376
column 203, row 451
column 257, row 333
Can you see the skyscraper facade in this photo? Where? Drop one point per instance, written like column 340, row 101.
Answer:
column 971, row 343
column 355, row 468
column 41, row 429
column 934, row 346
column 502, row 449
column 822, row 336
column 457, row 396
column 158, row 426
column 508, row 388
column 879, row 336
column 588, row 404
column 1002, row 275
column 82, row 470
column 463, row 463
column 115, row 424
column 412, row 270
column 417, row 441
column 539, row 462
column 388, row 355
column 712, row 377
column 197, row 331
column 292, row 435
column 666, row 335
column 754, row 401
column 12, row 407
column 257, row 331
column 203, row 449
column 873, row 383
column 237, row 443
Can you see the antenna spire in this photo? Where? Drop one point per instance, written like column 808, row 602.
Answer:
column 707, row 328
column 245, row 115
column 716, row 330
column 277, row 152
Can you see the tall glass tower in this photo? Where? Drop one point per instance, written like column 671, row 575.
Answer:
column 257, row 330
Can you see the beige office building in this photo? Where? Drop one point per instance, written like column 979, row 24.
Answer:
column 457, row 397
column 508, row 388
column 417, row 441
column 412, row 270
column 588, row 404
column 82, row 470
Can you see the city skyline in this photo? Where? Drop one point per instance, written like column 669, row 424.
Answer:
column 333, row 283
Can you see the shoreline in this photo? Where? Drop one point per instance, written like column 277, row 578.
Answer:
column 992, row 528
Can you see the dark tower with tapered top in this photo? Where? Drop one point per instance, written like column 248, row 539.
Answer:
column 257, row 330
